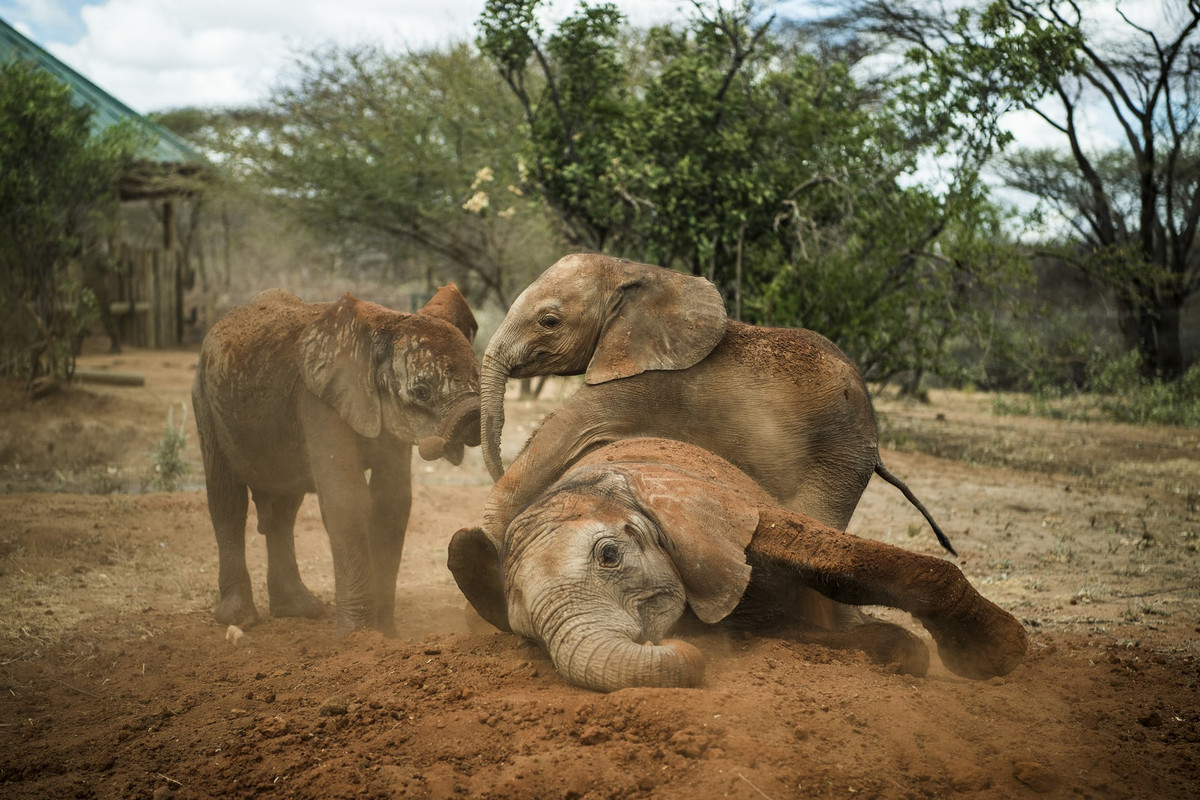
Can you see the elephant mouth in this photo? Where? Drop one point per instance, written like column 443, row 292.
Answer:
column 532, row 368
column 458, row 429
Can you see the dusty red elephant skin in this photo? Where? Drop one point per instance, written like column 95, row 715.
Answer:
column 293, row 398
column 602, row 568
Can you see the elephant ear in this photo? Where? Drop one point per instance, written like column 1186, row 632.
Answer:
column 706, row 525
column 474, row 560
column 338, row 365
column 657, row 319
column 449, row 304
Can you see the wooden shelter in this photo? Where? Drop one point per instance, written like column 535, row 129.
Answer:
column 144, row 293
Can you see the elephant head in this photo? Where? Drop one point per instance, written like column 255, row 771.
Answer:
column 602, row 567
column 602, row 317
column 412, row 375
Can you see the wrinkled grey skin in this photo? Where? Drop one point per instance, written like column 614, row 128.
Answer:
column 643, row 533
column 661, row 359
column 294, row 397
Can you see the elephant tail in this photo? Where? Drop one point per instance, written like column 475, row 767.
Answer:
column 886, row 474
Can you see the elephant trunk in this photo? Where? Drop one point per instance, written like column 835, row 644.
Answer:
column 459, row 426
column 493, row 378
column 605, row 660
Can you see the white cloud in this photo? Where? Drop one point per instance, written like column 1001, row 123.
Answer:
column 159, row 54
column 156, row 54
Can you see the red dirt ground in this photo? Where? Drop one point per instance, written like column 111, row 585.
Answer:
column 116, row 682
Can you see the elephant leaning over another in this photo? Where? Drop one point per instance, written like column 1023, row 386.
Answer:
column 601, row 567
column 294, row 397
column 661, row 359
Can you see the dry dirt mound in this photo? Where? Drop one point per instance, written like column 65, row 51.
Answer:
column 117, row 683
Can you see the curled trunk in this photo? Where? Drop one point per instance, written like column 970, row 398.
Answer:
column 607, row 660
column 458, row 427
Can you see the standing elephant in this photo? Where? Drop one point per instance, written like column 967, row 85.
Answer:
column 294, row 397
column 661, row 359
column 601, row 567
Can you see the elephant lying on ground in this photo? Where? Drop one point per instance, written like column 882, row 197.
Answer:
column 601, row 567
column 661, row 359
column 294, row 397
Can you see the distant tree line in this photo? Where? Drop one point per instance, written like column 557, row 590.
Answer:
column 836, row 173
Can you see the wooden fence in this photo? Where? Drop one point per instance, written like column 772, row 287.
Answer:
column 145, row 297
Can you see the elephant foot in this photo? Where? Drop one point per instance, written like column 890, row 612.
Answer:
column 296, row 603
column 354, row 616
column 980, row 642
column 882, row 642
column 347, row 626
column 236, row 608
column 386, row 624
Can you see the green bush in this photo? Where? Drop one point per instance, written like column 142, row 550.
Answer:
column 1125, row 395
column 57, row 206
column 1113, row 388
column 168, row 462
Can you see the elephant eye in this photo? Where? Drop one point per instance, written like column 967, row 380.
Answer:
column 550, row 321
column 420, row 392
column 609, row 555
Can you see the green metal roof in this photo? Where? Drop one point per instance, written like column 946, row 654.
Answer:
column 165, row 147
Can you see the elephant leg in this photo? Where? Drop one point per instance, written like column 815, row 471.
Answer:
column 346, row 517
column 883, row 642
column 276, row 521
column 819, row 499
column 228, row 502
column 975, row 637
column 391, row 502
column 775, row 602
column 345, row 500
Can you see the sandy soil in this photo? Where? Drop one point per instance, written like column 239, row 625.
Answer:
column 116, row 682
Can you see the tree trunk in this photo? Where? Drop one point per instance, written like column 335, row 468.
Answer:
column 1154, row 332
column 1167, row 338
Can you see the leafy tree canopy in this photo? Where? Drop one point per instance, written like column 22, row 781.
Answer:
column 736, row 151
column 412, row 156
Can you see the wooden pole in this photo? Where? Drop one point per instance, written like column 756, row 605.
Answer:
column 172, row 298
column 110, row 378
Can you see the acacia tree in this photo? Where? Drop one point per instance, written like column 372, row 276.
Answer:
column 57, row 195
column 1133, row 207
column 413, row 156
column 735, row 151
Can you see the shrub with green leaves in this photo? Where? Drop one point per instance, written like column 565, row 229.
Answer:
column 56, row 204
column 168, row 463
column 1116, row 388
column 1126, row 395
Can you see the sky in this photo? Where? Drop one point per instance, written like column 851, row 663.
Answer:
column 156, row 55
